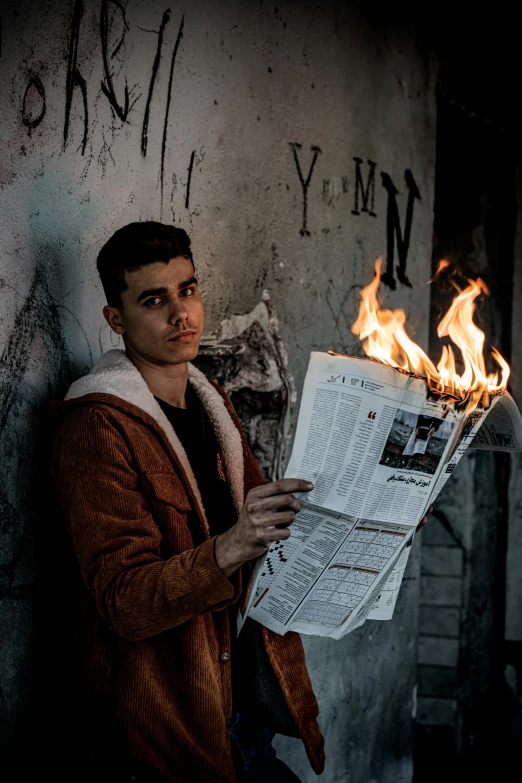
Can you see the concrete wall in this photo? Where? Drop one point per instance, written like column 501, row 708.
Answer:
column 242, row 123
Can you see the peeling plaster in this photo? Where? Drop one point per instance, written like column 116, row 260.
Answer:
column 247, row 357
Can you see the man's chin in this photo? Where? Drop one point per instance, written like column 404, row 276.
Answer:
column 179, row 353
column 168, row 353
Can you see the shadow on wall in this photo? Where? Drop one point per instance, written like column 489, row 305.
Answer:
column 36, row 339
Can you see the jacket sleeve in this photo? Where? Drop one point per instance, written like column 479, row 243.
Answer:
column 117, row 542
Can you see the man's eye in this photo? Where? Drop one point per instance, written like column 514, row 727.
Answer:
column 152, row 302
column 187, row 292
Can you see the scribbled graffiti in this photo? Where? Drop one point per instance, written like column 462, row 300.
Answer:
column 38, row 315
column 121, row 106
column 26, row 519
column 333, row 189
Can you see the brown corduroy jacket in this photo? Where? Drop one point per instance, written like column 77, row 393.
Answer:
column 153, row 624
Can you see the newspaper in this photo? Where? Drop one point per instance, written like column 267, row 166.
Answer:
column 378, row 448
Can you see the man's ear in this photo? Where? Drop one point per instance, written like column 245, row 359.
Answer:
column 113, row 317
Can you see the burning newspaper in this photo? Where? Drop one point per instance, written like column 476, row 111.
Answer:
column 379, row 440
column 378, row 448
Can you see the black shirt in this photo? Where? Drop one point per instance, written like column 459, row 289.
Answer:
column 193, row 428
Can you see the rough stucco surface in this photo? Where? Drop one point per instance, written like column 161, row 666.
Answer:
column 250, row 81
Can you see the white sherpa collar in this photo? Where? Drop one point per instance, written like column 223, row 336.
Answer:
column 115, row 374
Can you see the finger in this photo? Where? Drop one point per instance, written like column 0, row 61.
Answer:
column 430, row 510
column 278, row 534
column 276, row 501
column 283, row 486
column 277, row 518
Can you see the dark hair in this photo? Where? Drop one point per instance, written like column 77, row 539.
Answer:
column 135, row 246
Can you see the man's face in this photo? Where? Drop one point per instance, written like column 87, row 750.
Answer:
column 161, row 317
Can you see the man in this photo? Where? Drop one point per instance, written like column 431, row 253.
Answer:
column 167, row 510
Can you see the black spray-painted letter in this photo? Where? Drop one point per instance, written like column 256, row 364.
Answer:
column 155, row 66
column 75, row 79
column 305, row 184
column 367, row 193
column 394, row 230
column 167, row 109
column 108, row 86
column 31, row 116
column 189, row 178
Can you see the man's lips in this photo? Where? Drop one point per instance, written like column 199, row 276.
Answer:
column 183, row 337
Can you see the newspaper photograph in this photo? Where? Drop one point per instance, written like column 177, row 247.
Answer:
column 378, row 447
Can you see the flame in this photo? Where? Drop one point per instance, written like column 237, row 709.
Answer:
column 441, row 266
column 385, row 339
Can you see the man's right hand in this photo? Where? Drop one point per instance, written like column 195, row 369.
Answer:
column 265, row 517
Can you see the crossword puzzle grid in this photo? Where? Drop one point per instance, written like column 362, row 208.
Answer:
column 343, row 589
column 278, row 554
column 323, row 614
column 368, row 549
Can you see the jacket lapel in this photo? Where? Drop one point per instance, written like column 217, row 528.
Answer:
column 227, row 434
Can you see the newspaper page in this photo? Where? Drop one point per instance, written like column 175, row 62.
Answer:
column 468, row 430
column 502, row 426
column 384, row 605
column 291, row 568
column 299, row 561
column 348, row 588
column 463, row 438
column 369, row 439
column 316, row 584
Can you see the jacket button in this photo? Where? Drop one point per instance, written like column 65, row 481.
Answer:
column 224, row 657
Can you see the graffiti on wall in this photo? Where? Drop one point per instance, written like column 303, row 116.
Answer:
column 397, row 236
column 34, row 99
column 39, row 316
column 305, row 183
column 361, row 189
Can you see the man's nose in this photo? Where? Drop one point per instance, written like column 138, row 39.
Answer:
column 178, row 312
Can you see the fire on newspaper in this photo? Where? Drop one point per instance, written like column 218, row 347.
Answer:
column 379, row 439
